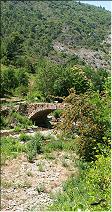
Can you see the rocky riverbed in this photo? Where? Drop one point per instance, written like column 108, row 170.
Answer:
column 31, row 186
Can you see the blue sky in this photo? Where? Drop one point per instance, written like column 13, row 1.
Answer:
column 106, row 4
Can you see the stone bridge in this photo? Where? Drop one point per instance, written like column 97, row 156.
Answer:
column 37, row 112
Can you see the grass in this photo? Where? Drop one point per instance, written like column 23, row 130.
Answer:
column 25, row 184
column 59, row 144
column 24, row 137
column 88, row 191
column 57, row 113
column 6, row 184
column 17, row 129
column 33, row 145
column 49, row 156
column 15, row 121
column 29, row 174
column 41, row 167
column 64, row 163
column 40, row 188
column 10, row 148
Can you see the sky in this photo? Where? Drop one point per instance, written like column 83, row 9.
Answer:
column 106, row 4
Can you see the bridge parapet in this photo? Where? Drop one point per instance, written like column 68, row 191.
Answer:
column 35, row 108
column 31, row 109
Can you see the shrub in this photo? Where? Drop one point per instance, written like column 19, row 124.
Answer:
column 60, row 143
column 8, row 81
column 18, row 120
column 34, row 146
column 90, row 191
column 40, row 188
column 21, row 91
column 53, row 144
column 13, row 79
column 17, row 129
column 88, row 115
column 35, row 96
column 24, row 137
column 57, row 113
column 10, row 148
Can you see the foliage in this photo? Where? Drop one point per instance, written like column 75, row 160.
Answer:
column 47, row 73
column 24, row 137
column 10, row 148
column 80, row 80
column 34, row 96
column 40, row 188
column 90, row 191
column 34, row 146
column 50, row 80
column 12, row 79
column 14, row 48
column 15, row 120
column 17, row 129
column 56, row 80
column 73, row 25
column 21, row 91
column 97, row 78
column 8, row 81
column 88, row 115
column 52, row 144
column 57, row 113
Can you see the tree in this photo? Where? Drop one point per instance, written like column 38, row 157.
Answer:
column 14, row 48
column 88, row 115
column 8, row 81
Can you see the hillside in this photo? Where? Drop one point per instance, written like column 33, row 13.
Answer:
column 55, row 106
column 56, row 30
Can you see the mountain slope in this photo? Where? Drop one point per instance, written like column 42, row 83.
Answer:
column 40, row 26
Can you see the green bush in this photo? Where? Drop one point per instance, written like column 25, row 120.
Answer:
column 17, row 129
column 34, row 146
column 35, row 96
column 21, row 91
column 60, row 144
column 88, row 115
column 13, row 81
column 24, row 137
column 8, row 81
column 10, row 148
column 89, row 191
column 16, row 120
column 57, row 113
column 3, row 122
column 54, row 145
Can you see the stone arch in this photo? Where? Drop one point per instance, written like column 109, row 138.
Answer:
column 39, row 117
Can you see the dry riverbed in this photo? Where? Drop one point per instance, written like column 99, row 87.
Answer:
column 31, row 186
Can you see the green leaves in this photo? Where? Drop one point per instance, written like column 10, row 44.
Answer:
column 27, row 29
column 89, row 191
column 14, row 48
column 88, row 115
column 11, row 79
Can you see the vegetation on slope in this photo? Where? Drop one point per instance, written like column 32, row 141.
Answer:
column 87, row 118
column 29, row 31
column 30, row 36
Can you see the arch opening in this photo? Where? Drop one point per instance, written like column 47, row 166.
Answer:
column 40, row 118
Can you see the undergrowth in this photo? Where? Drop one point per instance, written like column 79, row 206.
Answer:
column 90, row 191
column 10, row 148
column 15, row 121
